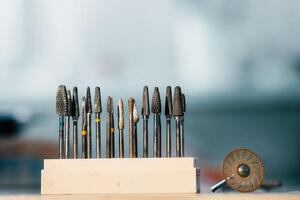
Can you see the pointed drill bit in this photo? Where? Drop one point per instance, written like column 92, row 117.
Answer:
column 75, row 116
column 67, row 125
column 121, row 127
column 168, row 113
column 98, row 110
column 156, row 110
column 178, row 113
column 89, row 122
column 131, row 127
column 182, row 125
column 84, row 128
column 135, row 121
column 110, row 142
column 145, row 114
column 97, row 100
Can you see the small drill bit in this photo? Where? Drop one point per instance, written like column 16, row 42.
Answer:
column 75, row 116
column 168, row 113
column 145, row 114
column 121, row 127
column 89, row 122
column 182, row 126
column 135, row 121
column 67, row 126
column 84, row 127
column 61, row 110
column 98, row 110
column 178, row 113
column 156, row 110
column 110, row 141
column 131, row 126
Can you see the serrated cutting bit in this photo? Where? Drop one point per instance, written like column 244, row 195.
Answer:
column 121, row 127
column 135, row 139
column 89, row 122
column 75, row 116
column 145, row 114
column 156, row 110
column 84, row 128
column 131, row 126
column 98, row 110
column 61, row 110
column 110, row 130
column 67, row 125
column 168, row 113
column 178, row 113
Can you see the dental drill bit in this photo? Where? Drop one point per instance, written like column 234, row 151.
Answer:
column 178, row 113
column 61, row 110
column 67, row 126
column 168, row 113
column 98, row 110
column 84, row 127
column 75, row 116
column 89, row 122
column 156, row 110
column 110, row 138
column 131, row 126
column 135, row 121
column 121, row 127
column 182, row 126
column 145, row 114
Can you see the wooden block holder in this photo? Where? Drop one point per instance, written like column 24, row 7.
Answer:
column 124, row 175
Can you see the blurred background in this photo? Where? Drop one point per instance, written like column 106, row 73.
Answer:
column 237, row 62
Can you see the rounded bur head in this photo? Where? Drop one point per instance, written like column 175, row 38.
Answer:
column 168, row 103
column 110, row 107
column 62, row 100
column 135, row 114
column 178, row 108
column 88, row 100
column 120, row 114
column 146, row 106
column 156, row 102
column 130, row 105
column 97, row 100
column 75, row 103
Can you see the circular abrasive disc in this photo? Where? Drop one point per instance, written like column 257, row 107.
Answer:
column 244, row 170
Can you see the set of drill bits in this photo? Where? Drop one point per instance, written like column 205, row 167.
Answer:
column 67, row 107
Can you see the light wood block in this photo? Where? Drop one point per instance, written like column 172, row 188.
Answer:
column 99, row 176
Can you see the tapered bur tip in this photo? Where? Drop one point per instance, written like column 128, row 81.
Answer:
column 69, row 107
column 146, row 106
column 75, row 103
column 83, row 111
column 156, row 102
column 97, row 101
column 135, row 113
column 178, row 107
column 120, row 114
column 168, row 103
column 130, row 105
column 88, row 100
column 110, row 107
column 62, row 100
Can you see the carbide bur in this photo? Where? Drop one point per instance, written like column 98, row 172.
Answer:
column 131, row 126
column 121, row 127
column 145, row 114
column 135, row 121
column 168, row 113
column 61, row 110
column 98, row 110
column 110, row 141
column 156, row 110
column 89, row 122
column 67, row 125
column 84, row 127
column 75, row 116
column 178, row 113
column 182, row 126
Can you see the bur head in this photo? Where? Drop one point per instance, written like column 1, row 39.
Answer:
column 69, row 108
column 130, row 105
column 88, row 100
column 135, row 113
column 61, row 100
column 120, row 114
column 97, row 100
column 110, row 106
column 83, row 112
column 75, row 104
column 183, row 103
column 178, row 107
column 156, row 102
column 146, row 107
column 168, row 103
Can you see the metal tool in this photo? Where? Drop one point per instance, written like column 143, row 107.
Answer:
column 156, row 110
column 110, row 141
column 75, row 116
column 243, row 171
column 182, row 126
column 89, row 122
column 121, row 127
column 131, row 127
column 61, row 110
column 84, row 129
column 135, row 121
column 145, row 114
column 67, row 126
column 178, row 113
column 98, row 110
column 168, row 113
